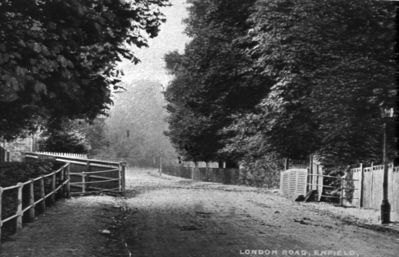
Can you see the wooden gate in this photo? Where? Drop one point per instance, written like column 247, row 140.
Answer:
column 89, row 175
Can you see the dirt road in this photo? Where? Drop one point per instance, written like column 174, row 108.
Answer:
column 172, row 217
column 72, row 228
column 176, row 217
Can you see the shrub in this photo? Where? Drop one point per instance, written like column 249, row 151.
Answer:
column 13, row 172
column 262, row 172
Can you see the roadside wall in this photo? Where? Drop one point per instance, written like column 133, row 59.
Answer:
column 368, row 189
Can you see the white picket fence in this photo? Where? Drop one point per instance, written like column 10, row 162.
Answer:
column 68, row 155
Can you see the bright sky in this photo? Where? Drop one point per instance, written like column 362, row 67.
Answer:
column 171, row 37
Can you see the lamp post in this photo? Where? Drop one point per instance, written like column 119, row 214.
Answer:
column 385, row 206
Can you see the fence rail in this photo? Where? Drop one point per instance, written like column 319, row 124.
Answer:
column 78, row 176
column 84, row 173
column 71, row 155
column 63, row 186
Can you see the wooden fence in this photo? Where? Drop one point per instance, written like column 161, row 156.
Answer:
column 78, row 176
column 59, row 181
column 218, row 175
column 302, row 180
column 368, row 191
column 89, row 175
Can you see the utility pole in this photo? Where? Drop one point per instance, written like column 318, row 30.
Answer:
column 385, row 206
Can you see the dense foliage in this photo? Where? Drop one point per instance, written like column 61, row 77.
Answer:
column 213, row 78
column 65, row 136
column 306, row 77
column 58, row 57
column 334, row 68
column 13, row 172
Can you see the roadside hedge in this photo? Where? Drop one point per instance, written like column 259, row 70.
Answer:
column 13, row 172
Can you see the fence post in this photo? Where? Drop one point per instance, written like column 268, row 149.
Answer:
column 68, row 184
column 83, row 182
column 88, row 166
column 361, row 185
column 123, row 178
column 371, row 198
column 87, row 175
column 31, row 200
column 19, row 208
column 62, row 178
column 53, row 180
column 1, row 203
column 160, row 165
column 42, row 194
column 342, row 188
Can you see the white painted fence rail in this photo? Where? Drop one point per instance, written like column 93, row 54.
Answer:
column 70, row 155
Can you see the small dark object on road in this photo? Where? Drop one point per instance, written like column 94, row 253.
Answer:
column 300, row 198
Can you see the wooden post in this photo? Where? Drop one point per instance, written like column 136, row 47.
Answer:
column 42, row 194
column 286, row 164
column 341, row 193
column 361, row 187
column 31, row 201
column 87, row 176
column 53, row 180
column 1, row 203
column 83, row 182
column 371, row 198
column 19, row 208
column 68, row 184
column 194, row 171
column 62, row 178
column 310, row 174
column 123, row 178
column 207, row 172
column 88, row 166
column 160, row 165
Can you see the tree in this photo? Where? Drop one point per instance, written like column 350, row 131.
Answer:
column 65, row 136
column 58, row 57
column 212, row 78
column 333, row 66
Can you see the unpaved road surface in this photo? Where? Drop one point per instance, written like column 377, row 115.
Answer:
column 173, row 217
column 179, row 218
column 71, row 228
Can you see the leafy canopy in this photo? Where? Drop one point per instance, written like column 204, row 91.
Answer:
column 58, row 57
column 213, row 78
